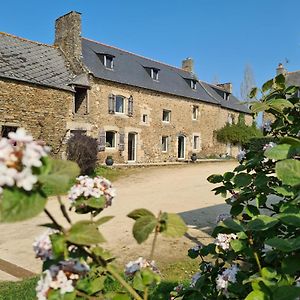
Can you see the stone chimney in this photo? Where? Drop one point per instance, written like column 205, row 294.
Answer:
column 188, row 65
column 68, row 39
column 226, row 86
column 280, row 69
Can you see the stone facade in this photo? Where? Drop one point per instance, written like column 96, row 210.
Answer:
column 149, row 132
column 42, row 111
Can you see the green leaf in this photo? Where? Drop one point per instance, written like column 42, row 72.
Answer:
column 258, row 107
column 284, row 245
column 253, row 92
column 103, row 220
column 215, row 178
column 238, row 245
column 257, row 295
column 290, row 219
column 58, row 176
column 284, row 190
column 142, row 228
column 18, row 205
column 96, row 202
column 252, row 210
column 261, row 222
column 84, row 233
column 280, row 104
column 267, row 85
column 104, row 254
column 268, row 273
column 278, row 152
column 228, row 176
column 175, row 226
column 141, row 212
column 290, row 265
column 242, row 179
column 279, row 81
column 138, row 282
column 288, row 171
column 119, row 296
column 236, row 209
column 290, row 140
column 235, row 225
column 58, row 244
column 286, row 293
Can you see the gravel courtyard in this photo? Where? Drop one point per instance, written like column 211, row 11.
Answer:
column 181, row 189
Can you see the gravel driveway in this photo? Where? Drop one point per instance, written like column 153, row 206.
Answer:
column 180, row 189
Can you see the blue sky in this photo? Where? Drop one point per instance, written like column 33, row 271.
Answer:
column 222, row 36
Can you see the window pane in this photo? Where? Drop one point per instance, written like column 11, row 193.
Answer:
column 166, row 115
column 164, row 143
column 108, row 61
column 110, row 141
column 195, row 112
column 119, row 104
column 196, row 142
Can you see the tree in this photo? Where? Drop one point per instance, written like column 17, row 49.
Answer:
column 247, row 84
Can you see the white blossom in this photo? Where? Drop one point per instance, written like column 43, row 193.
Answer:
column 92, row 187
column 141, row 263
column 223, row 240
column 62, row 283
column 25, row 179
column 222, row 217
column 42, row 245
column 20, row 136
column 227, row 276
column 267, row 126
column 196, row 248
column 195, row 278
column 7, row 175
column 43, row 285
column 241, row 155
column 269, row 146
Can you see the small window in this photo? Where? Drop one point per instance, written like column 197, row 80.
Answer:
column 108, row 61
column 145, row 118
column 164, row 144
column 195, row 112
column 166, row 116
column 80, row 101
column 154, row 74
column 110, row 139
column 230, row 119
column 5, row 130
column 226, row 96
column 196, row 142
column 194, row 84
column 120, row 103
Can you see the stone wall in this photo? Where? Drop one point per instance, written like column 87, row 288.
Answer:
column 149, row 134
column 42, row 111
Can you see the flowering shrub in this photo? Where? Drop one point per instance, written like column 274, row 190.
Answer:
column 256, row 252
column 74, row 264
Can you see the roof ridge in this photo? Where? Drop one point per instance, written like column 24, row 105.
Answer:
column 117, row 48
column 27, row 40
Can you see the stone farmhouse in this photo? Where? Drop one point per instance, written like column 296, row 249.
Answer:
column 140, row 110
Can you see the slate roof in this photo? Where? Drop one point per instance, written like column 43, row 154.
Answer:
column 293, row 78
column 33, row 62
column 131, row 69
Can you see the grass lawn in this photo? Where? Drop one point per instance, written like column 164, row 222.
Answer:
column 172, row 274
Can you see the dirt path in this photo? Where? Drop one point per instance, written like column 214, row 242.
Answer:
column 183, row 190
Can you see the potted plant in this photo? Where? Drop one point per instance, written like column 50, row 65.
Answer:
column 109, row 161
column 194, row 157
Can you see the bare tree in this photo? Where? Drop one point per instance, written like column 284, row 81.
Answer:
column 247, row 84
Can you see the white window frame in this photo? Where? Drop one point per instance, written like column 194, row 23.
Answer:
column 196, row 146
column 154, row 74
column 111, row 67
column 114, row 140
column 193, row 84
column 164, row 144
column 169, row 116
column 124, row 108
column 196, row 115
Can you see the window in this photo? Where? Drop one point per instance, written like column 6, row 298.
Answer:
column 154, row 74
column 226, row 96
column 164, row 144
column 145, row 118
column 230, row 119
column 166, row 116
column 195, row 112
column 194, row 84
column 80, row 101
column 5, row 130
column 120, row 104
column 110, row 139
column 108, row 61
column 196, row 142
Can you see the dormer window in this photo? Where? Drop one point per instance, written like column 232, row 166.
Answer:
column 154, row 74
column 226, row 96
column 194, row 84
column 107, row 60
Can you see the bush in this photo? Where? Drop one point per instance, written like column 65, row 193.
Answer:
column 239, row 133
column 83, row 150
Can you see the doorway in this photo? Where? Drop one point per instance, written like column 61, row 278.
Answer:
column 131, row 146
column 181, row 147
